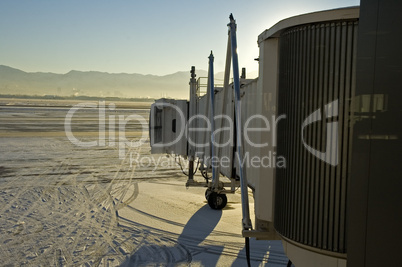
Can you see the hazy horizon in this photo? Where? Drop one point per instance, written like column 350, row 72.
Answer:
column 98, row 84
column 157, row 38
column 59, row 45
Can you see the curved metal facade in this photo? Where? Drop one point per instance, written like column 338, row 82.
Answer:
column 316, row 84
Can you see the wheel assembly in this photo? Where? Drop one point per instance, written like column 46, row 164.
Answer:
column 217, row 201
column 207, row 193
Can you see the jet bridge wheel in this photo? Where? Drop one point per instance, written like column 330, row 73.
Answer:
column 217, row 201
column 207, row 193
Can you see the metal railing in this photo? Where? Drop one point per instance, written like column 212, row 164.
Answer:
column 202, row 84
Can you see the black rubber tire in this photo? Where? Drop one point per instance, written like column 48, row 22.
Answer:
column 217, row 201
column 207, row 193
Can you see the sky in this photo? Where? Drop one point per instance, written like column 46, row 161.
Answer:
column 147, row 37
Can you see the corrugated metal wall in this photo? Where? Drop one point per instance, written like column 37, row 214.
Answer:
column 317, row 67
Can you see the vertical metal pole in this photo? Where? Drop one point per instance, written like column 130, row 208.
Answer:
column 239, row 133
column 212, row 120
column 224, row 101
column 190, row 169
column 227, row 65
column 192, row 111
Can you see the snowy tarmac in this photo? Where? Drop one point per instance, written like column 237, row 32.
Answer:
column 66, row 205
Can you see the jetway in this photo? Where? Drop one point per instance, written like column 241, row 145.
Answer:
column 288, row 135
column 167, row 124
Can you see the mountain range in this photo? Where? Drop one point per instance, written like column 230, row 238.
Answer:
column 94, row 83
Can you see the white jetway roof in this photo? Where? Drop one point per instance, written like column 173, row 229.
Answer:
column 321, row 16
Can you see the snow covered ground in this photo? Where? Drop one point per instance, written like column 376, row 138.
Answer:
column 65, row 205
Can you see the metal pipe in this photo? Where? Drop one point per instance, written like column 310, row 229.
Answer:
column 192, row 112
column 211, row 88
column 227, row 65
column 239, row 133
column 224, row 101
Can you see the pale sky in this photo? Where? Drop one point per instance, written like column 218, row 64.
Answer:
column 147, row 37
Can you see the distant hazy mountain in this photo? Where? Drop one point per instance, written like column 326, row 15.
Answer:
column 93, row 83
